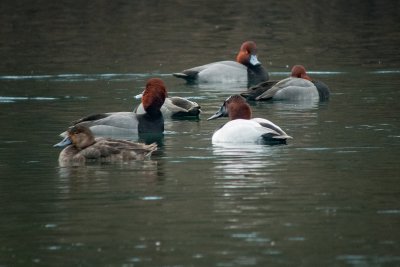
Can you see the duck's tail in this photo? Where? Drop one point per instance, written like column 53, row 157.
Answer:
column 180, row 75
column 150, row 149
column 189, row 76
column 273, row 139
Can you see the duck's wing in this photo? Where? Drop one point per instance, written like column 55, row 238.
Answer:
column 274, row 131
column 191, row 75
column 253, row 92
column 181, row 107
column 125, row 120
column 91, row 117
column 175, row 107
column 128, row 149
column 271, row 91
column 290, row 88
column 188, row 75
column 91, row 152
column 114, row 124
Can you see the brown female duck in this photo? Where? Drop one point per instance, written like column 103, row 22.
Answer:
column 81, row 146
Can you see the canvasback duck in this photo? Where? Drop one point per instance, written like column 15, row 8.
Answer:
column 127, row 124
column 175, row 107
column 299, row 86
column 246, row 68
column 242, row 128
column 81, row 146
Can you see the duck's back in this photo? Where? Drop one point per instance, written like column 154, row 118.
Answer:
column 106, row 150
column 216, row 72
column 175, row 107
column 291, row 89
column 117, row 150
column 296, row 89
column 115, row 124
column 239, row 131
column 223, row 71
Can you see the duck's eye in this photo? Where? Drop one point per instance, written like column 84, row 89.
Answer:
column 74, row 132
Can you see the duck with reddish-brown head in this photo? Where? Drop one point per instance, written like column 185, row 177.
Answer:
column 299, row 86
column 247, row 68
column 128, row 125
column 242, row 128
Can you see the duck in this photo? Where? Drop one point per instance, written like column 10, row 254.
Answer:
column 242, row 128
column 175, row 107
column 80, row 146
column 126, row 124
column 247, row 68
column 299, row 86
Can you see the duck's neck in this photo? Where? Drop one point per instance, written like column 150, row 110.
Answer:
column 151, row 122
column 256, row 74
column 84, row 142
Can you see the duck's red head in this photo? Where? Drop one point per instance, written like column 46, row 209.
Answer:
column 154, row 95
column 238, row 108
column 298, row 71
column 248, row 54
column 234, row 107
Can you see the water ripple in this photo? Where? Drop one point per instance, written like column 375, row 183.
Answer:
column 75, row 77
column 12, row 99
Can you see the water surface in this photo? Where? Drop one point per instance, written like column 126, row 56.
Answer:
column 328, row 198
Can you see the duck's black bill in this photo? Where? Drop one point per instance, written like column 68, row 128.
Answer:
column 222, row 112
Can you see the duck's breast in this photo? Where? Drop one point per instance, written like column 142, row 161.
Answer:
column 69, row 156
column 323, row 90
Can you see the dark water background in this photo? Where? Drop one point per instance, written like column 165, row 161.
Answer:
column 331, row 197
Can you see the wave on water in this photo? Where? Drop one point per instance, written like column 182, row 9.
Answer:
column 386, row 71
column 12, row 99
column 79, row 77
column 75, row 77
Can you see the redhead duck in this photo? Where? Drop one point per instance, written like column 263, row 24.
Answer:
column 81, row 146
column 299, row 86
column 242, row 128
column 175, row 107
column 124, row 124
column 246, row 68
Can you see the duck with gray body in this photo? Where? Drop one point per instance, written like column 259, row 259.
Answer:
column 298, row 87
column 246, row 68
column 129, row 125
